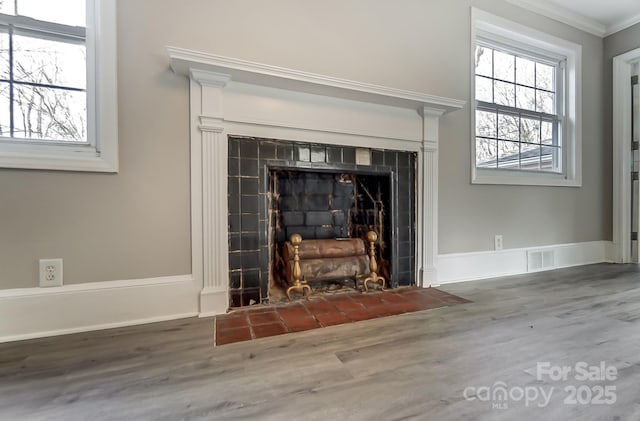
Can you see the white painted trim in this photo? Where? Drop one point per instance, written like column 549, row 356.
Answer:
column 185, row 62
column 459, row 267
column 622, row 117
column 27, row 313
column 491, row 26
column 563, row 15
column 101, row 154
column 623, row 24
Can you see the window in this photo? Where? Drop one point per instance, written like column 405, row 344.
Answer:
column 526, row 114
column 57, row 85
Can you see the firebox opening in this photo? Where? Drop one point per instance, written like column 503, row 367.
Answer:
column 327, row 205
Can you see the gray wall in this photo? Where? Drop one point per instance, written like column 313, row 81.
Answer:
column 135, row 223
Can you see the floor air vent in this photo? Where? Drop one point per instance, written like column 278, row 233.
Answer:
column 540, row 260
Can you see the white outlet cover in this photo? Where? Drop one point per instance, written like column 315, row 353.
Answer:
column 50, row 272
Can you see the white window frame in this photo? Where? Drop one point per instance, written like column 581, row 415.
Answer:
column 100, row 153
column 488, row 26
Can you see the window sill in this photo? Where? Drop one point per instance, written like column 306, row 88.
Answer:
column 519, row 178
column 57, row 157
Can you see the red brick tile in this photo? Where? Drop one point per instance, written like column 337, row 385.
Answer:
column 330, row 319
column 229, row 321
column 302, row 323
column 271, row 329
column 293, row 311
column 392, row 297
column 386, row 310
column 228, row 336
column 264, row 317
column 319, row 306
column 369, row 300
column 345, row 303
column 358, row 315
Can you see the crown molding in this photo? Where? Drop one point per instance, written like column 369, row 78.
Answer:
column 623, row 24
column 563, row 15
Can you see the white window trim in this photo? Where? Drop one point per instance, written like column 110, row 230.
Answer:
column 490, row 25
column 101, row 153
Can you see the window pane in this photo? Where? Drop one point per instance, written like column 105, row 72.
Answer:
column 544, row 77
column 544, row 102
column 47, row 113
column 486, row 153
column 484, row 61
column 525, row 72
column 504, row 66
column 49, row 62
column 485, row 124
column 508, row 154
column 546, row 128
column 67, row 12
column 508, row 127
column 7, row 7
column 530, row 130
column 526, row 98
column 504, row 93
column 483, row 89
column 4, row 55
column 5, row 116
column 549, row 159
column 530, row 157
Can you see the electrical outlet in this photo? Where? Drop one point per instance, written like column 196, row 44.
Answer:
column 50, row 272
column 498, row 242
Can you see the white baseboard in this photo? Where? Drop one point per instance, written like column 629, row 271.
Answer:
column 490, row 264
column 27, row 313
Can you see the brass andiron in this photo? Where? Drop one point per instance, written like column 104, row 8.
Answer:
column 372, row 237
column 296, row 240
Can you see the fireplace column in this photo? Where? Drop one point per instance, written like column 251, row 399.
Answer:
column 210, row 155
column 428, row 198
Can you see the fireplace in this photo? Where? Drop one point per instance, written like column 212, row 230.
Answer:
column 277, row 188
column 238, row 99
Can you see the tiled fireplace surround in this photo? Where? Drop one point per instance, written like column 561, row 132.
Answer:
column 231, row 98
column 251, row 240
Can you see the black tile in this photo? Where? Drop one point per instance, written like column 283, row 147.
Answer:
column 334, row 155
column 342, row 202
column 250, row 260
column 339, row 217
column 348, row 155
column 249, row 241
column 404, row 159
column 234, row 147
column 404, row 249
column 234, row 204
column 302, row 153
column 235, row 260
column 248, row 186
column 267, row 150
column 343, row 189
column 290, row 203
column 234, row 222
column 377, row 157
column 234, row 242
column 249, row 148
column 306, row 232
column 390, row 158
column 315, row 202
column 234, row 166
column 235, row 299
column 324, row 232
column 285, row 152
column 249, row 168
column 233, row 186
column 250, row 297
column 235, row 280
column 318, row 154
column 249, row 222
column 249, row 204
column 250, row 279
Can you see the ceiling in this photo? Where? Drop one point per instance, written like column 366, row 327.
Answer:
column 599, row 17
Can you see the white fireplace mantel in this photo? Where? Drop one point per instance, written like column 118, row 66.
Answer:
column 235, row 97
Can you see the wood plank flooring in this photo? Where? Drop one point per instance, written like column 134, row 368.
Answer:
column 410, row 366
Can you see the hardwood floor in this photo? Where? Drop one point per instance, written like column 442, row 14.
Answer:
column 411, row 366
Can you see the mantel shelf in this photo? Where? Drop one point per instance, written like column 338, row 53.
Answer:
column 185, row 62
